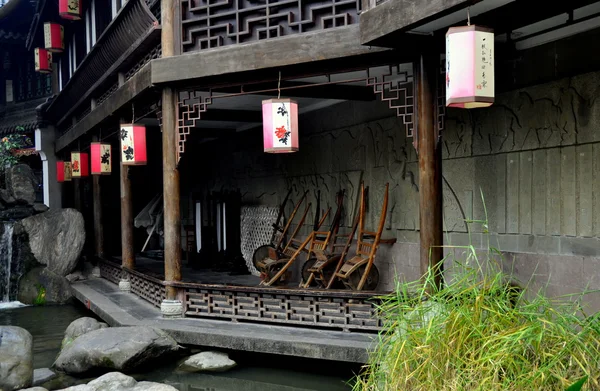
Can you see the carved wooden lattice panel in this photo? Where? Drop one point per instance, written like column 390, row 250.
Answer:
column 210, row 24
column 277, row 307
column 396, row 88
column 110, row 272
column 149, row 290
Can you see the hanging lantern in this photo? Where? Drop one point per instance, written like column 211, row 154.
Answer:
column 43, row 60
column 63, row 171
column 80, row 165
column 133, row 144
column 69, row 9
column 54, row 37
column 101, row 159
column 280, row 125
column 469, row 67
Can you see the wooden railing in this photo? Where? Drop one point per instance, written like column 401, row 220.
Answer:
column 210, row 24
column 339, row 309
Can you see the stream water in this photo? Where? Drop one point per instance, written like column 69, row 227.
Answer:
column 254, row 372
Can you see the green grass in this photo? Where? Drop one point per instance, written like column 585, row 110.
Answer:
column 481, row 332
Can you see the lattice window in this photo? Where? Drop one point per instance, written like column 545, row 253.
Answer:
column 148, row 290
column 210, row 24
column 256, row 228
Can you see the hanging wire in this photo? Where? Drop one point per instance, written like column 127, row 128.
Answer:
column 279, row 86
column 468, row 16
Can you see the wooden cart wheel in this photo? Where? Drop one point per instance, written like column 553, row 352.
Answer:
column 372, row 278
column 306, row 274
column 259, row 254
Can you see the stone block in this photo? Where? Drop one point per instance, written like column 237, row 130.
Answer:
column 591, row 272
column 566, row 270
column 539, row 244
column 580, row 246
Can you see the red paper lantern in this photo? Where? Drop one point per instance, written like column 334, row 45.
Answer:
column 280, row 126
column 69, row 9
column 63, row 171
column 80, row 165
column 54, row 37
column 101, row 159
column 133, row 144
column 43, row 60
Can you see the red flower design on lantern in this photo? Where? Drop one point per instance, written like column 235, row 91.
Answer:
column 76, row 166
column 280, row 132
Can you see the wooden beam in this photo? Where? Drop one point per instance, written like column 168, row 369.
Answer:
column 383, row 24
column 138, row 84
column 232, row 115
column 323, row 45
column 171, row 191
column 430, row 167
column 308, row 90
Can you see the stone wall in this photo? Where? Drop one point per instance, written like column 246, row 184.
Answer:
column 534, row 156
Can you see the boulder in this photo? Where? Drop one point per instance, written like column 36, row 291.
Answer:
column 117, row 348
column 79, row 327
column 16, row 358
column 40, row 208
column 6, row 197
column 41, row 286
column 115, row 381
column 22, row 183
column 42, row 375
column 207, row 362
column 56, row 238
column 16, row 213
column 34, row 389
column 75, row 276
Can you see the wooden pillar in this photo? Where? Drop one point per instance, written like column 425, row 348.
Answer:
column 172, row 213
column 430, row 166
column 127, row 253
column 77, row 194
column 98, row 227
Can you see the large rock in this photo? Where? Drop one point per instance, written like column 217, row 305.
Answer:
column 22, row 183
column 42, row 375
column 16, row 213
column 56, row 238
column 41, row 286
column 79, row 327
column 6, row 197
column 117, row 348
column 207, row 362
column 16, row 358
column 115, row 381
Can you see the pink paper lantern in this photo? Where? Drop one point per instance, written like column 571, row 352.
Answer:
column 469, row 67
column 280, row 126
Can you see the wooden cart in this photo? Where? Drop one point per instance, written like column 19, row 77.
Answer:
column 359, row 272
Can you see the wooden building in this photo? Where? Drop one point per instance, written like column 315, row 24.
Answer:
column 369, row 81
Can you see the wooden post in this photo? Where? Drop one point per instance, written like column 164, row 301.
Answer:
column 127, row 253
column 172, row 213
column 77, row 194
column 98, row 227
column 430, row 166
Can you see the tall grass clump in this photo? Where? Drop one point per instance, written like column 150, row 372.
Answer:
column 482, row 332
